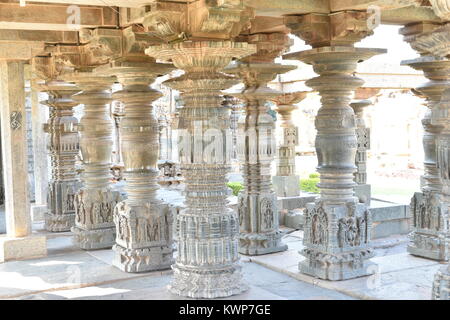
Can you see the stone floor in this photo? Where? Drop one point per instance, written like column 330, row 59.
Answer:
column 397, row 276
column 69, row 273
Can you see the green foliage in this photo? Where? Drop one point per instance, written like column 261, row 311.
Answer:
column 236, row 187
column 310, row 184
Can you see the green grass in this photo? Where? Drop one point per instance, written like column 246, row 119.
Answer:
column 310, row 184
column 236, row 187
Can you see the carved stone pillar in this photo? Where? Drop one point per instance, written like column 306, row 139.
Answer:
column 337, row 227
column 257, row 205
column 206, row 266
column 286, row 183
column 63, row 146
column 436, row 41
column 429, row 236
column 361, row 101
column 234, row 105
column 94, row 203
column 143, row 222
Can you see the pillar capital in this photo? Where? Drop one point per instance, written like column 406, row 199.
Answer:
column 342, row 28
column 441, row 8
column 197, row 20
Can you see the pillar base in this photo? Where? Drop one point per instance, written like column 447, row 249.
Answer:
column 94, row 239
column 336, row 239
column 336, row 266
column 441, row 284
column 429, row 238
column 253, row 244
column 59, row 223
column 207, row 284
column 286, row 186
column 429, row 245
column 142, row 260
column 38, row 212
column 30, row 247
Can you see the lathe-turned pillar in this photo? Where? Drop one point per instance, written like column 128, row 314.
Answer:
column 94, row 203
column 337, row 227
column 206, row 266
column 143, row 222
column 257, row 203
column 429, row 236
column 286, row 183
column 63, row 146
column 360, row 102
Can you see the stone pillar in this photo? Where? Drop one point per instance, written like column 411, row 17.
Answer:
column 435, row 40
column 429, row 236
column 18, row 243
column 143, row 222
column 286, row 183
column 361, row 101
column 257, row 203
column 39, row 117
column 337, row 227
column 63, row 146
column 235, row 107
column 94, row 203
column 206, row 266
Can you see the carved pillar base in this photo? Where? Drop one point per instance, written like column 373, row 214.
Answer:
column 215, row 283
column 441, row 284
column 265, row 241
column 61, row 196
column 346, row 254
column 142, row 230
column 286, row 186
column 94, row 228
column 427, row 240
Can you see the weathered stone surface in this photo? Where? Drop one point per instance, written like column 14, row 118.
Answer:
column 22, row 248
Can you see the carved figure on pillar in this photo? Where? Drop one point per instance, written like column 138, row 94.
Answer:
column 207, row 262
column 337, row 227
column 286, row 182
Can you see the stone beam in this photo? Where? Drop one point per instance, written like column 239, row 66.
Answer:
column 340, row 5
column 112, row 3
column 36, row 16
column 283, row 7
column 50, row 36
column 407, row 15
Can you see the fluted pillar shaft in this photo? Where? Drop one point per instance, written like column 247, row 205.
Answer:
column 143, row 222
column 63, row 146
column 207, row 262
column 94, row 203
